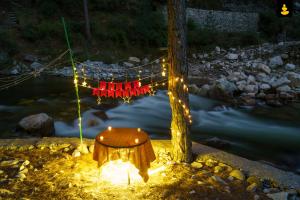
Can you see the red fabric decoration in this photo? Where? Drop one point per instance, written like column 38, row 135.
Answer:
column 127, row 86
column 102, row 85
column 115, row 90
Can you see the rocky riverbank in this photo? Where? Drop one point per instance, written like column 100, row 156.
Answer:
column 266, row 74
column 57, row 168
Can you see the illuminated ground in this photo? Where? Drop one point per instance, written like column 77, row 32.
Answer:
column 55, row 174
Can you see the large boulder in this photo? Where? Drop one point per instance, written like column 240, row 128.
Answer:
column 37, row 125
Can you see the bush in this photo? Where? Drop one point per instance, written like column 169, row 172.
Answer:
column 7, row 43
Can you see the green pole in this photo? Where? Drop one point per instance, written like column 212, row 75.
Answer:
column 75, row 79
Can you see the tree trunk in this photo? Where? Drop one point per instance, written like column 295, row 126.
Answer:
column 178, row 81
column 87, row 20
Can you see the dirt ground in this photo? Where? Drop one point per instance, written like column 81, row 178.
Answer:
column 58, row 175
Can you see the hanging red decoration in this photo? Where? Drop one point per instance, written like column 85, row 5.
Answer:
column 115, row 90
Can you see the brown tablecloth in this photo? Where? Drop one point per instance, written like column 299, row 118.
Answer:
column 127, row 144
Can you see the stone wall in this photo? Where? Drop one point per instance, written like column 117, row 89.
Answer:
column 224, row 20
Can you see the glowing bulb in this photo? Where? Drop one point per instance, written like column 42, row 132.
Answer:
column 169, row 93
column 84, row 83
column 101, row 138
column 109, row 128
column 179, row 101
column 75, row 81
column 184, row 86
column 163, row 73
column 140, row 84
column 181, row 80
column 173, row 98
column 191, row 121
column 163, row 60
column 136, row 140
column 139, row 129
column 164, row 84
column 177, row 79
column 183, row 106
column 156, row 84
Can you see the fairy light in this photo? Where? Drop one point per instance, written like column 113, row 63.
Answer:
column 136, row 140
column 163, row 73
column 101, row 138
column 139, row 129
column 84, row 84
column 109, row 128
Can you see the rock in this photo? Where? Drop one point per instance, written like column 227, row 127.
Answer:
column 193, row 88
column 289, row 66
column 36, row 66
column 217, row 142
column 218, row 49
column 92, row 122
column 284, row 88
column 5, row 192
column 279, row 82
column 284, row 56
column 30, row 58
column 210, row 163
column 275, row 61
column 192, row 192
column 8, row 163
column 76, row 153
column 197, row 165
column 219, row 180
column 264, row 86
column 145, row 61
column 218, row 169
column 251, row 80
column 237, row 174
column 26, row 162
column 204, row 90
column 82, row 148
column 294, row 78
column 254, row 179
column 101, row 114
column 134, row 59
column 14, row 72
column 241, row 85
column 232, row 56
column 91, row 148
column 256, row 197
column 279, row 196
column 38, row 125
column 226, row 86
column 252, row 187
column 251, row 89
column 264, row 68
column 127, row 64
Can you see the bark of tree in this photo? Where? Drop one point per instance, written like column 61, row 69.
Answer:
column 178, row 69
column 87, row 21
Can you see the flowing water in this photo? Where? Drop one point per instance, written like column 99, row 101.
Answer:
column 264, row 133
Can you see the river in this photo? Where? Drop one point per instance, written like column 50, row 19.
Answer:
column 266, row 134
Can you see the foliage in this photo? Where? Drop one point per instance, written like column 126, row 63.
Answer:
column 7, row 43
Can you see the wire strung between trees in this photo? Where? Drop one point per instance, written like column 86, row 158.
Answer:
column 15, row 80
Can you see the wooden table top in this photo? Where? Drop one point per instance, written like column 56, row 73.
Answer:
column 122, row 137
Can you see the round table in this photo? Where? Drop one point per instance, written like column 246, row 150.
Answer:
column 127, row 144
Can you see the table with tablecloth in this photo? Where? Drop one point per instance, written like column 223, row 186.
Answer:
column 126, row 144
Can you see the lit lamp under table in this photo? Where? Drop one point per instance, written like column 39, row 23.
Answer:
column 126, row 144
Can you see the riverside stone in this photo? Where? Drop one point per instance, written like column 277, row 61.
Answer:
column 264, row 68
column 279, row 196
column 290, row 66
column 237, row 174
column 37, row 125
column 275, row 61
column 232, row 56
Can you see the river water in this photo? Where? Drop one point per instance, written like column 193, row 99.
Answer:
column 266, row 134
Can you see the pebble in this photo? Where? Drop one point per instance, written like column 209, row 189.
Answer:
column 76, row 153
column 237, row 174
column 210, row 163
column 256, row 197
column 279, row 196
column 197, row 165
column 218, row 179
column 252, row 187
column 192, row 192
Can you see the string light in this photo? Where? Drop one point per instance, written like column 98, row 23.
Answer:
column 109, row 128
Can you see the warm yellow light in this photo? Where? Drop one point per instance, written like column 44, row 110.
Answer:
column 163, row 60
column 164, row 84
column 109, row 128
column 163, row 65
column 75, row 81
column 184, row 86
column 177, row 79
column 179, row 101
column 191, row 121
column 140, row 84
column 169, row 93
column 183, row 106
column 163, row 73
column 84, row 83
column 101, row 138
column 181, row 80
column 139, row 129
column 119, row 173
column 136, row 140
